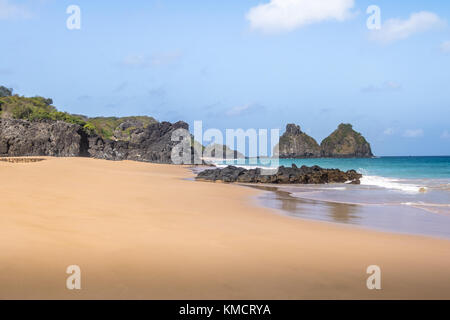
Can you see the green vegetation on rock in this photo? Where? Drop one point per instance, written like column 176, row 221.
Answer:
column 34, row 109
column 345, row 142
column 119, row 128
column 344, row 130
column 39, row 108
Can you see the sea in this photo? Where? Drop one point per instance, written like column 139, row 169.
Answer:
column 408, row 195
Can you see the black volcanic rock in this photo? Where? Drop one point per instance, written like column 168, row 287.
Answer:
column 41, row 138
column 284, row 175
column 60, row 139
column 345, row 142
column 151, row 144
column 296, row 144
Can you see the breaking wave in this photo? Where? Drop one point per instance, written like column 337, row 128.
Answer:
column 389, row 183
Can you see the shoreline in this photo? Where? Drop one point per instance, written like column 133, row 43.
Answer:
column 259, row 201
column 284, row 203
column 370, row 206
column 145, row 231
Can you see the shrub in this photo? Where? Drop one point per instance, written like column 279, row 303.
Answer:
column 89, row 128
column 40, row 108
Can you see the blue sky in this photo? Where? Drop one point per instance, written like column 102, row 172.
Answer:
column 242, row 64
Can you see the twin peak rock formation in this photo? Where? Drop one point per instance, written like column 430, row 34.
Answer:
column 344, row 142
column 34, row 127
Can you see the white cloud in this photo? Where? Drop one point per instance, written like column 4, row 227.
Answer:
column 9, row 10
column 244, row 109
column 413, row 133
column 159, row 59
column 135, row 61
column 397, row 29
column 165, row 58
column 235, row 111
column 445, row 135
column 393, row 85
column 389, row 131
column 445, row 47
column 386, row 86
column 286, row 15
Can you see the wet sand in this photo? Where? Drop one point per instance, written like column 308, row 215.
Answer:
column 326, row 204
column 145, row 231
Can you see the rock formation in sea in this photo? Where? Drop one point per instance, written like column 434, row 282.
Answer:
column 345, row 142
column 284, row 175
column 296, row 144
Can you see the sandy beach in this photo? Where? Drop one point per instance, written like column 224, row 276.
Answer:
column 147, row 231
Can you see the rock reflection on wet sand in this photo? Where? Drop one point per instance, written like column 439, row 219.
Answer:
column 337, row 212
column 390, row 218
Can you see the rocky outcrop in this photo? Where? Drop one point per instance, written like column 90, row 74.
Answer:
column 60, row 139
column 284, row 175
column 345, row 142
column 296, row 144
column 126, row 129
column 152, row 144
column 43, row 138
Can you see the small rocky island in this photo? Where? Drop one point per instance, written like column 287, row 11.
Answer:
column 284, row 175
column 294, row 143
column 344, row 142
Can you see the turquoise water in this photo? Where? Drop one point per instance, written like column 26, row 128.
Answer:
column 400, row 194
column 390, row 167
column 407, row 174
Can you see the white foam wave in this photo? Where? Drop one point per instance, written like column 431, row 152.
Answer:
column 421, row 203
column 382, row 182
column 437, row 208
column 389, row 183
column 330, row 188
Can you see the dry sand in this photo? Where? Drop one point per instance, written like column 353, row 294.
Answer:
column 144, row 231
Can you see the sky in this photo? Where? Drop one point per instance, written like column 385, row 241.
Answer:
column 242, row 64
